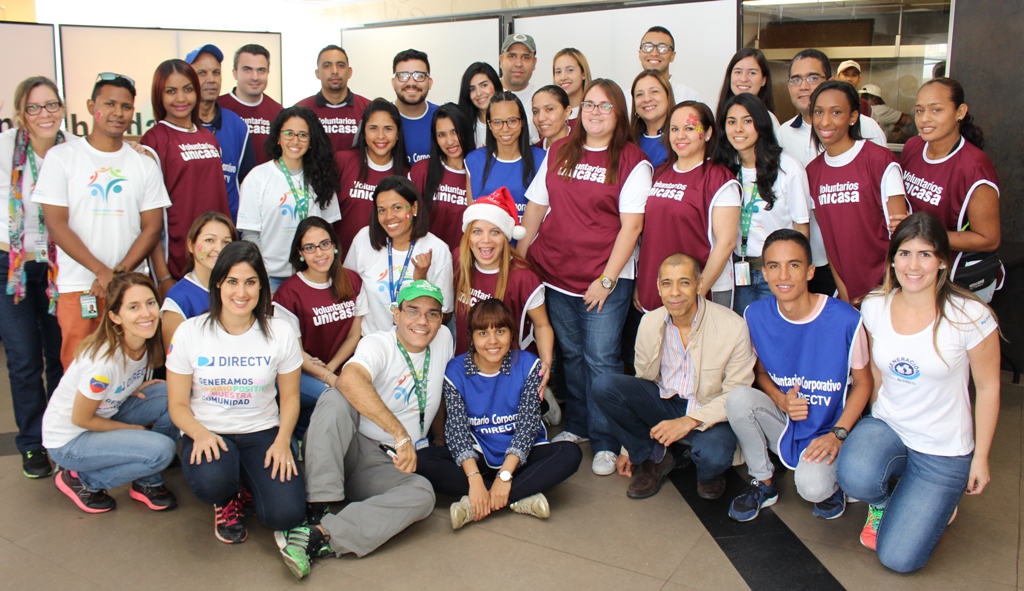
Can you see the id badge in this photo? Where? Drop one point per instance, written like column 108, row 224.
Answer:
column 421, row 444
column 42, row 251
column 741, row 271
column 89, row 307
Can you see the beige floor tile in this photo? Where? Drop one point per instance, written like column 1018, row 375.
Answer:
column 22, row 569
column 1000, row 500
column 670, row 586
column 707, row 568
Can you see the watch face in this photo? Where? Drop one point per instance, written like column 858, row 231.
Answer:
column 840, row 433
column 606, row 283
column 505, row 475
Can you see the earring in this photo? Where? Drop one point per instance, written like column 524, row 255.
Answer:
column 335, row 251
column 302, row 259
column 942, row 266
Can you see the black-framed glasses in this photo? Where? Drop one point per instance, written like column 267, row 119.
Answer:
column 588, row 106
column 303, row 136
column 511, row 122
column 810, row 79
column 413, row 314
column 325, row 244
column 417, row 76
column 662, row 48
column 111, row 76
column 51, row 107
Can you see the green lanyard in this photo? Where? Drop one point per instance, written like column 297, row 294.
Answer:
column 35, row 177
column 746, row 214
column 420, row 381
column 301, row 199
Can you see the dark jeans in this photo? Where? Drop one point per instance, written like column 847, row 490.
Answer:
column 547, row 466
column 279, row 505
column 634, row 406
column 32, row 341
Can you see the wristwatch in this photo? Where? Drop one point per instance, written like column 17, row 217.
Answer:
column 505, row 476
column 840, row 433
column 606, row 282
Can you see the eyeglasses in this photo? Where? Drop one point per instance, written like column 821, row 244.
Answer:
column 111, row 76
column 512, row 122
column 51, row 107
column 413, row 314
column 811, row 80
column 326, row 244
column 662, row 48
column 302, row 136
column 588, row 106
column 417, row 76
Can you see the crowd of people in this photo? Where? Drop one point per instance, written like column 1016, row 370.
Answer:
column 374, row 301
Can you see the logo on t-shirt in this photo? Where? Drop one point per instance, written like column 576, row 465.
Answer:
column 922, row 189
column 838, row 193
column 905, row 369
column 231, row 361
column 257, row 125
column 339, row 125
column 663, row 190
column 98, row 384
column 587, row 172
column 105, row 182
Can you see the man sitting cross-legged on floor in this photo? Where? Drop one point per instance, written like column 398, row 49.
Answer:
column 807, row 344
column 690, row 354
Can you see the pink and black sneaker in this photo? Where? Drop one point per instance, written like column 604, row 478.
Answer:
column 90, row 501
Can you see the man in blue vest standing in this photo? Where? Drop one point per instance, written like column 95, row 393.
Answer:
column 807, row 346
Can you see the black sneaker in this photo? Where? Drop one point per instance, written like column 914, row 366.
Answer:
column 36, row 464
column 157, row 498
column 315, row 512
column 90, row 501
column 248, row 509
column 228, row 526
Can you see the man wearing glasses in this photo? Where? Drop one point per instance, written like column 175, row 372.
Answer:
column 517, row 61
column 808, row 69
column 339, row 109
column 362, row 440
column 252, row 71
column 103, row 204
column 657, row 51
column 412, row 83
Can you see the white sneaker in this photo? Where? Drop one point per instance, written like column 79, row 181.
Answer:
column 604, row 463
column 535, row 505
column 567, row 436
column 554, row 414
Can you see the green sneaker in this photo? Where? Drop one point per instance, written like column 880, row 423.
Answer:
column 303, row 544
column 869, row 535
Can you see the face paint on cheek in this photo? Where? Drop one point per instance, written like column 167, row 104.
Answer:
column 200, row 253
column 99, row 115
column 695, row 122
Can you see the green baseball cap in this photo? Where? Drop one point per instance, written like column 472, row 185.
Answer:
column 419, row 289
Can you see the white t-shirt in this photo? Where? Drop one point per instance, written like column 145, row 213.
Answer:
column 372, row 266
column 923, row 397
column 234, row 377
column 105, row 193
column 266, row 205
column 795, row 139
column 790, row 207
column 682, row 92
column 111, row 381
column 525, row 96
column 31, row 231
column 393, row 381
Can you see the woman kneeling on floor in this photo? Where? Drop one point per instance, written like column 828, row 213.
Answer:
column 494, row 414
column 96, row 426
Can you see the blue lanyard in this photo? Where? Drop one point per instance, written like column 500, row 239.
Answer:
column 394, row 288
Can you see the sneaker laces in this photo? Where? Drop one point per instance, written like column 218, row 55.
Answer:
column 228, row 514
column 874, row 517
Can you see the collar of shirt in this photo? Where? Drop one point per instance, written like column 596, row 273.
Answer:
column 472, row 369
column 696, row 317
column 217, row 121
column 798, row 121
column 321, row 101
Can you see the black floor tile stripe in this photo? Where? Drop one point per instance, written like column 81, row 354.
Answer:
column 765, row 552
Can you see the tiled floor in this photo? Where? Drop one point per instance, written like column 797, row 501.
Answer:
column 596, row 539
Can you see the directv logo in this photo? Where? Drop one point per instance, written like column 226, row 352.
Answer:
column 206, row 362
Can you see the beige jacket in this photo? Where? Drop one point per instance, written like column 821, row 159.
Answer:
column 721, row 352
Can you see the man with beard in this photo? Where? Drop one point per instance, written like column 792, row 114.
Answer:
column 339, row 109
column 252, row 71
column 412, row 83
column 236, row 151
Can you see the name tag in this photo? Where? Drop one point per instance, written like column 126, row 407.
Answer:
column 89, row 307
column 742, row 272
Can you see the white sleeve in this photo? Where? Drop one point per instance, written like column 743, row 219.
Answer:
column 52, row 186
column 170, row 305
column 332, row 213
column 892, row 182
column 287, row 315
column 872, row 131
column 633, row 196
column 156, row 193
column 249, row 202
column 537, row 192
column 178, row 356
column 370, row 353
column 729, row 195
column 797, row 193
column 291, row 354
column 362, row 302
column 536, row 299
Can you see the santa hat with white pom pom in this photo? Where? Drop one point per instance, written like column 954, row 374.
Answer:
column 499, row 209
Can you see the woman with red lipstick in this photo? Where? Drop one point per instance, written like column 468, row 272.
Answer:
column 378, row 142
column 693, row 207
column 441, row 179
column 571, row 72
column 189, row 158
column 947, row 175
column 479, row 83
column 550, row 115
column 857, row 188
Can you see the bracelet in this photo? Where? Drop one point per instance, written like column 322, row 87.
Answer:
column 403, row 442
column 164, row 278
column 477, row 473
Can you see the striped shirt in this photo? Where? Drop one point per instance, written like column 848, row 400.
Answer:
column 678, row 374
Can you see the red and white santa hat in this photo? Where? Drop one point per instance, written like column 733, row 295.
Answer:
column 499, row 209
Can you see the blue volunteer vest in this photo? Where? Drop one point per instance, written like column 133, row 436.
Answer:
column 817, row 353
column 492, row 403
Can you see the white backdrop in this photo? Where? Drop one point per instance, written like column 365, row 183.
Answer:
column 450, row 46
column 33, row 44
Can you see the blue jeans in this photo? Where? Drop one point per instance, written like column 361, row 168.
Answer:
column 310, row 389
column 748, row 294
column 590, row 343
column 279, row 505
column 918, row 509
column 635, row 405
column 108, row 459
column 32, row 341
column 275, row 282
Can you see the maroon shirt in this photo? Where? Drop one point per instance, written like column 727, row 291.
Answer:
column 258, row 118
column 849, row 207
column 324, row 322
column 446, row 205
column 341, row 121
column 576, row 238
column 194, row 177
column 677, row 219
column 355, row 200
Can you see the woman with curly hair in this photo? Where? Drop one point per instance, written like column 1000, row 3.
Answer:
column 302, row 170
